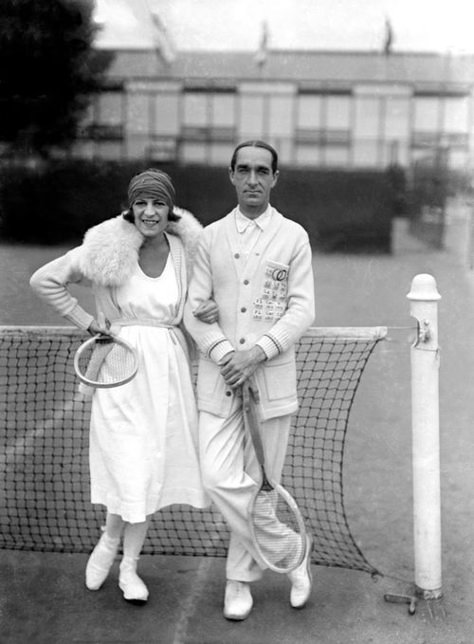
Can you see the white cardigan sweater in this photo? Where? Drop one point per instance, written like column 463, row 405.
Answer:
column 105, row 260
column 268, row 302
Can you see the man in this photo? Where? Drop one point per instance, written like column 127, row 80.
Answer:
column 256, row 265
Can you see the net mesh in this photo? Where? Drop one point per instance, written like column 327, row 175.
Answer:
column 44, row 470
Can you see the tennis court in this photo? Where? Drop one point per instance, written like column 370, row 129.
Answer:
column 42, row 594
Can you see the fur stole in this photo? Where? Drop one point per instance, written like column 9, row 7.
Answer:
column 110, row 250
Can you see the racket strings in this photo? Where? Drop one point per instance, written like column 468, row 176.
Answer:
column 91, row 358
column 277, row 531
column 106, row 362
column 117, row 364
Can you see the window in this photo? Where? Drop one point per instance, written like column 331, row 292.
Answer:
column 209, row 116
column 397, row 119
column 367, row 129
column 396, row 131
column 426, row 114
column 109, row 108
column 308, row 114
column 307, row 154
column 280, row 117
column 323, row 124
column 222, row 109
column 196, row 110
column 456, row 114
column 138, row 113
column 367, row 117
column 193, row 152
column 338, row 112
column 165, row 114
column 252, row 122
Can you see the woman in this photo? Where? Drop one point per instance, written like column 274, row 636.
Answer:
column 143, row 435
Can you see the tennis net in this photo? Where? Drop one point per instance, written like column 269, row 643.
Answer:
column 44, row 471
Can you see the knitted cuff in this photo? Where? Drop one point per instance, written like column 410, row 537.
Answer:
column 268, row 346
column 219, row 350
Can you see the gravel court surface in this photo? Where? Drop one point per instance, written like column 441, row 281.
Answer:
column 42, row 596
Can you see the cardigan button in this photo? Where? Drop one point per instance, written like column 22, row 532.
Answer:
column 228, row 393
column 242, row 340
column 243, row 309
column 236, row 255
column 246, row 282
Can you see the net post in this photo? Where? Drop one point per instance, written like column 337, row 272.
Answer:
column 424, row 356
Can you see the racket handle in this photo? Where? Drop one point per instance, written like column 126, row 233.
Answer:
column 249, row 398
column 94, row 365
column 98, row 356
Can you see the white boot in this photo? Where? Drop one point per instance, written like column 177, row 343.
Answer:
column 100, row 562
column 133, row 588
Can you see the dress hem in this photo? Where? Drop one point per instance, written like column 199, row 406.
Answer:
column 132, row 515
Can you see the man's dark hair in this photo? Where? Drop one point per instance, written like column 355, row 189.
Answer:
column 256, row 143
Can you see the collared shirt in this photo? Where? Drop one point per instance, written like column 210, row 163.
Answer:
column 250, row 230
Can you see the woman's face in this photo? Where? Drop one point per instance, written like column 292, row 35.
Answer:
column 150, row 216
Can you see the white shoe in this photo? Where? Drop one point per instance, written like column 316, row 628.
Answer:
column 100, row 562
column 238, row 600
column 133, row 588
column 301, row 578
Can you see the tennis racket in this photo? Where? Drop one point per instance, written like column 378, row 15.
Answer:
column 105, row 361
column 276, row 524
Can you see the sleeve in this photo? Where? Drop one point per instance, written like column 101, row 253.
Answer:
column 300, row 311
column 50, row 283
column 209, row 338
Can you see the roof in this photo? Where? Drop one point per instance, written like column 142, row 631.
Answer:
column 344, row 68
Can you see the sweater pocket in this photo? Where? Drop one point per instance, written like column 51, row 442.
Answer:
column 279, row 380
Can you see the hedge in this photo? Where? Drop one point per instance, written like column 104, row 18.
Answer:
column 341, row 210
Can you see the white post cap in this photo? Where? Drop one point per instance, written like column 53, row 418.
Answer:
column 424, row 289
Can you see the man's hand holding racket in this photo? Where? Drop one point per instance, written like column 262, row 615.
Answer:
column 238, row 366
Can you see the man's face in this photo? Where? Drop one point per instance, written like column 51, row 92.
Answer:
column 253, row 179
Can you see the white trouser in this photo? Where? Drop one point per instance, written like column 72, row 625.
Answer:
column 230, row 473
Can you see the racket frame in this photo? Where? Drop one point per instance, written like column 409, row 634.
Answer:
column 113, row 339
column 250, row 397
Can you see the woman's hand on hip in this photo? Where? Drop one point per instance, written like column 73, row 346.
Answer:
column 101, row 325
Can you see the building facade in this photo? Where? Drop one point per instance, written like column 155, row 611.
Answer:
column 320, row 109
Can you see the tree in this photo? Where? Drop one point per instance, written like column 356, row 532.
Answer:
column 48, row 71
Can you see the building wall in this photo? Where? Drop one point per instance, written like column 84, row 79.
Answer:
column 363, row 125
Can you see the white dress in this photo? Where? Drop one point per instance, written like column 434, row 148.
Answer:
column 143, row 439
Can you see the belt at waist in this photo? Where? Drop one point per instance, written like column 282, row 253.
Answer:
column 175, row 331
column 142, row 322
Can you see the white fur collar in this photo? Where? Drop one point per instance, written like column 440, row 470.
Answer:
column 110, row 249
